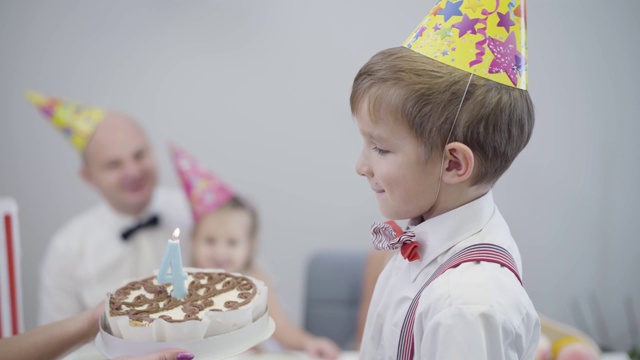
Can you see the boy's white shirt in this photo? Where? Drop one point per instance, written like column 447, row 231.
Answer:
column 87, row 258
column 476, row 311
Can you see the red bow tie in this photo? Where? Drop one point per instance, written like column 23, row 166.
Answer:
column 389, row 236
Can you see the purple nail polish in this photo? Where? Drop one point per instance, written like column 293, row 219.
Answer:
column 184, row 356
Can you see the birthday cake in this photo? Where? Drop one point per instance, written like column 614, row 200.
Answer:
column 216, row 302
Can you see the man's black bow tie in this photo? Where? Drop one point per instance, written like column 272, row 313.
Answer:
column 152, row 221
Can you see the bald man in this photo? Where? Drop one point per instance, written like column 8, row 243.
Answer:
column 120, row 239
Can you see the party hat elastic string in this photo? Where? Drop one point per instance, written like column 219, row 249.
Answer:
column 455, row 120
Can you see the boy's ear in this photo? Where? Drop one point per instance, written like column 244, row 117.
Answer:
column 458, row 163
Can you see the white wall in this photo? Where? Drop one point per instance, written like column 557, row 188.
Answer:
column 259, row 91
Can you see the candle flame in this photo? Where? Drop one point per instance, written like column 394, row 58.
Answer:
column 176, row 233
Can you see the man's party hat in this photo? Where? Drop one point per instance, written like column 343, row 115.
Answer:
column 76, row 122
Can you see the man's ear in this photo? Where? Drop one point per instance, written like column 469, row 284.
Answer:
column 85, row 174
column 458, row 163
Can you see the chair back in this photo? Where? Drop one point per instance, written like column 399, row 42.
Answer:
column 333, row 290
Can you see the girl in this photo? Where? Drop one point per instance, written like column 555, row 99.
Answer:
column 225, row 236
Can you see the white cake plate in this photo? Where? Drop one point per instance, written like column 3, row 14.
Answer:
column 212, row 348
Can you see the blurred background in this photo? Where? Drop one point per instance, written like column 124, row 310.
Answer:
column 258, row 90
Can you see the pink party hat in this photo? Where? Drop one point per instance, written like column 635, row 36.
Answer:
column 206, row 192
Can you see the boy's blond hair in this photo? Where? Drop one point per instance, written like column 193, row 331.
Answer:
column 495, row 121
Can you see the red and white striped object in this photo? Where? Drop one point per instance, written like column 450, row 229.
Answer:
column 11, row 321
column 483, row 252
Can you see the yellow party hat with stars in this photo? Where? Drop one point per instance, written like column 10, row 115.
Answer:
column 487, row 38
column 76, row 122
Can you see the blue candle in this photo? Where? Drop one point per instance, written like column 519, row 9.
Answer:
column 173, row 260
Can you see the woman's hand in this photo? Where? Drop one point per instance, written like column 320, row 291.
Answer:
column 322, row 348
column 163, row 355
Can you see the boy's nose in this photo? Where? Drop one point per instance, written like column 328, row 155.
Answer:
column 362, row 166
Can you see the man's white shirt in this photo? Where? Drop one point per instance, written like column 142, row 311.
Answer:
column 87, row 258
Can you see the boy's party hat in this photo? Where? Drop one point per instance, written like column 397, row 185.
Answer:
column 206, row 192
column 484, row 37
column 76, row 122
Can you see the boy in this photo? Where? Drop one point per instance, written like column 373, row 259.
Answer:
column 442, row 119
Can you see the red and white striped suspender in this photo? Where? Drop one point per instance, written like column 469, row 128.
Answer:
column 474, row 253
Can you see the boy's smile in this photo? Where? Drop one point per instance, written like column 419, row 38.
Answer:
column 392, row 160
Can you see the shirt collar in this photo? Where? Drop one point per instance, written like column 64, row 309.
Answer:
column 122, row 220
column 436, row 235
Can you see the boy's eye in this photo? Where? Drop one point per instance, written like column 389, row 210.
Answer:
column 232, row 242
column 209, row 241
column 380, row 151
